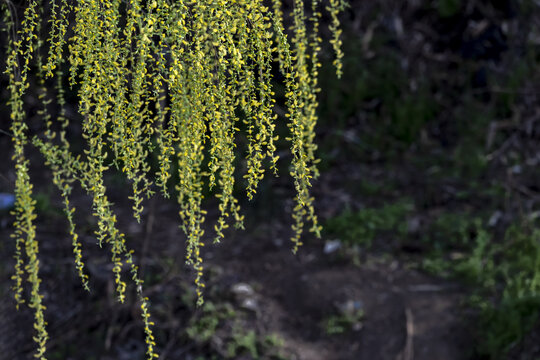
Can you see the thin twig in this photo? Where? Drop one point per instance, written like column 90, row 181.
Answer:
column 147, row 235
column 408, row 351
column 6, row 133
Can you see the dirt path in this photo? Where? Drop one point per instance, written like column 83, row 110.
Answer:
column 408, row 315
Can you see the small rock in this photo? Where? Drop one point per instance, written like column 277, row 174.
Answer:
column 351, row 307
column 495, row 218
column 414, row 225
column 331, row 246
column 245, row 296
column 516, row 169
column 250, row 304
column 278, row 242
column 242, row 290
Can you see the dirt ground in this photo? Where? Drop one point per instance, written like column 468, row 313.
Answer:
column 407, row 314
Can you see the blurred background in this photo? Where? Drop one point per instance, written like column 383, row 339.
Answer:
column 429, row 196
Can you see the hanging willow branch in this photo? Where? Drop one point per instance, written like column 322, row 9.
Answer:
column 170, row 79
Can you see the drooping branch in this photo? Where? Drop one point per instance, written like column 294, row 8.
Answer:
column 172, row 79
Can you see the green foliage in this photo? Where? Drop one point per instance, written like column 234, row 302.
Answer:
column 478, row 266
column 522, row 69
column 368, row 188
column 163, row 79
column 343, row 322
column 450, row 230
column 202, row 328
column 361, row 227
column 447, row 8
column 246, row 341
column 460, row 246
column 409, row 114
column 268, row 347
column 504, row 276
column 220, row 321
column 470, row 159
column 395, row 112
column 505, row 322
column 503, row 326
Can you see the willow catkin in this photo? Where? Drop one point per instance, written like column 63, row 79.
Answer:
column 164, row 82
column 20, row 52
